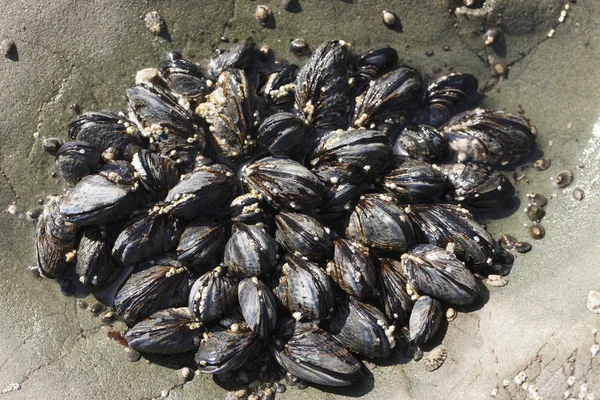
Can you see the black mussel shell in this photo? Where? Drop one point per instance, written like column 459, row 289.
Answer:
column 250, row 251
column 352, row 269
column 436, row 272
column 380, row 224
column 186, row 79
column 311, row 354
column 425, row 319
column 475, row 185
column 147, row 236
column 75, row 160
column 156, row 173
column 55, row 239
column 258, row 305
column 240, row 56
column 413, row 181
column 224, row 350
column 231, row 111
column 361, row 328
column 309, row 293
column 388, row 101
column 284, row 184
column 169, row 331
column 96, row 200
column 397, row 303
column 322, row 89
column 490, row 137
column 283, row 135
column 206, row 191
column 375, row 63
column 202, row 244
column 246, row 209
column 445, row 94
column 277, row 94
column 212, row 295
column 367, row 152
column 96, row 267
column 421, row 142
column 337, row 200
column 118, row 171
column 106, row 130
column 303, row 235
column 454, row 229
column 161, row 116
column 164, row 284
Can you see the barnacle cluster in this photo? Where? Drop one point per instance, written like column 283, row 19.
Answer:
column 311, row 216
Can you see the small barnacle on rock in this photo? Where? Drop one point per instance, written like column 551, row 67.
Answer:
column 563, row 179
column 154, row 22
column 435, row 359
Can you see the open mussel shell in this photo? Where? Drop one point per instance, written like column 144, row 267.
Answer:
column 55, row 238
column 240, row 56
column 379, row 223
column 352, row 269
column 475, row 185
column 250, row 251
column 106, row 130
column 96, row 200
column 308, row 293
column 246, row 209
column 361, row 328
column 311, row 354
column 445, row 94
column 160, row 115
column 186, row 79
column 147, row 236
column 96, row 267
column 365, row 151
column 421, row 142
column 303, row 235
column 438, row 273
column 163, row 284
column 454, row 229
column 258, row 305
column 75, row 160
column 490, row 137
column 202, row 244
column 322, row 89
column 169, row 331
column 284, row 184
column 375, row 63
column 231, row 112
column 283, row 135
column 206, row 191
column 388, row 100
column 277, row 94
column 212, row 295
column 425, row 319
column 156, row 173
column 397, row 303
column 224, row 350
column 413, row 181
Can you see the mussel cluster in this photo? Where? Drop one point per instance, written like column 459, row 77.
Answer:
column 250, row 210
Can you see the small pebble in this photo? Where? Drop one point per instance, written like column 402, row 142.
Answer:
column 563, row 179
column 8, row 47
column 429, row 53
column 253, row 397
column 288, row 5
column 240, row 394
column 537, row 199
column 389, row 18
column 534, row 212
column 418, row 354
column 185, row 374
column 578, row 194
column 593, row 303
column 451, row 314
column 490, row 37
column 51, row 145
column 499, row 67
column 132, row 355
column 154, row 22
column 446, row 47
column 269, row 394
column 537, row 232
column 224, row 39
column 263, row 15
column 76, row 108
column 299, row 47
column 82, row 304
column 542, row 164
column 496, row 281
column 174, row 55
column 107, row 318
column 522, row 247
column 280, row 388
column 97, row 308
column 34, row 214
column 507, row 241
column 595, row 350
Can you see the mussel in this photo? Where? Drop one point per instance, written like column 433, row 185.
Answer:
column 212, row 295
column 425, row 319
column 75, row 160
column 202, row 244
column 258, row 306
column 250, row 251
column 352, row 269
column 445, row 94
column 96, row 267
column 475, row 185
column 186, row 79
column 413, row 181
column 283, row 135
column 303, row 235
column 396, row 300
column 421, row 142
